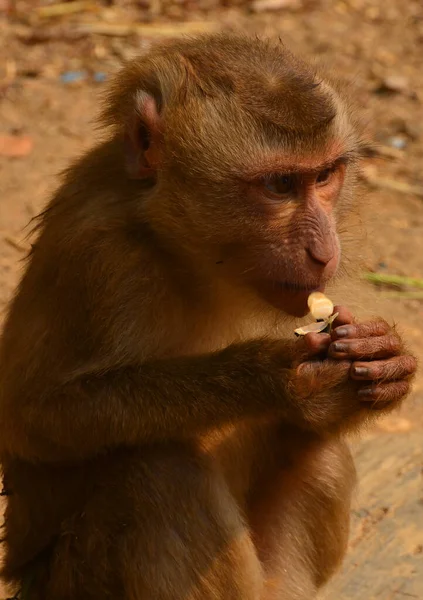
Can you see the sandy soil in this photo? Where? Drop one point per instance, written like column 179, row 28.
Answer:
column 374, row 45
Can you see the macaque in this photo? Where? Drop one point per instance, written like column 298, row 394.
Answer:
column 163, row 434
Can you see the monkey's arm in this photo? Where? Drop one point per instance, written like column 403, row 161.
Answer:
column 157, row 400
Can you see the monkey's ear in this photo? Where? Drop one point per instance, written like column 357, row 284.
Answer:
column 143, row 138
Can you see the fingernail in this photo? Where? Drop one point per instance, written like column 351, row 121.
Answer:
column 361, row 371
column 339, row 347
column 368, row 391
column 341, row 332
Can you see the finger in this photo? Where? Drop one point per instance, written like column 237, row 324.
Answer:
column 344, row 317
column 362, row 330
column 382, row 395
column 398, row 367
column 316, row 343
column 366, row 349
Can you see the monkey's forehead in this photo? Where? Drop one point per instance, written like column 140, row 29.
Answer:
column 232, row 138
column 259, row 105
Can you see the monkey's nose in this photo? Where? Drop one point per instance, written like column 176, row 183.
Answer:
column 320, row 253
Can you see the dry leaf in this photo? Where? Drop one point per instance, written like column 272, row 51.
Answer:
column 395, row 424
column 394, row 83
column 15, row 146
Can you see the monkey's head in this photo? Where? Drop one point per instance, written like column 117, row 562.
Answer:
column 244, row 158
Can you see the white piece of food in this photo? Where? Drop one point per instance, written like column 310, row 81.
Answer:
column 312, row 328
column 320, row 306
column 316, row 327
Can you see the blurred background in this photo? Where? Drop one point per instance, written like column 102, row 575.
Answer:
column 54, row 61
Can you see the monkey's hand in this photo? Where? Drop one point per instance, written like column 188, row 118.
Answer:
column 365, row 369
column 381, row 366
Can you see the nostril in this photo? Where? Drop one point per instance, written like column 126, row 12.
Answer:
column 320, row 255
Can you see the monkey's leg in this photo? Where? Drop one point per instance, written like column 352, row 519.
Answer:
column 300, row 521
column 162, row 526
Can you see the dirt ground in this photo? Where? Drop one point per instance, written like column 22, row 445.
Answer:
column 51, row 72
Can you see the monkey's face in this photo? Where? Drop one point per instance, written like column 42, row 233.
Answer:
column 299, row 251
column 265, row 213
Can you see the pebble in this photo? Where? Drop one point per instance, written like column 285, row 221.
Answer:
column 397, row 142
column 394, row 83
column 72, row 76
column 99, row 77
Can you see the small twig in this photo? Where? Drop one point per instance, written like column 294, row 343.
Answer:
column 65, row 8
column 398, row 280
column 10, row 72
column 45, row 33
column 15, row 243
column 405, row 295
column 384, row 152
column 391, row 184
column 146, row 29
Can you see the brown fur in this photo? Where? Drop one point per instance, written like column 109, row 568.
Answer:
column 156, row 438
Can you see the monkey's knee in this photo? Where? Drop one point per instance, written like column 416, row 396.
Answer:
column 302, row 528
column 328, row 468
column 329, row 486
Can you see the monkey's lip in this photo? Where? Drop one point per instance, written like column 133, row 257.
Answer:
column 289, row 297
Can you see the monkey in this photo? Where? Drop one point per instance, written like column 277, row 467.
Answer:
column 163, row 435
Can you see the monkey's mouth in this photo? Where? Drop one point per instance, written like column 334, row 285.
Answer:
column 290, row 297
column 296, row 288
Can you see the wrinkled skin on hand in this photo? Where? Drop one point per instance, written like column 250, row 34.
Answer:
column 358, row 368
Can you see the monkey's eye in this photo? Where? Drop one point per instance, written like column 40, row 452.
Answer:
column 144, row 137
column 280, row 184
column 324, row 176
